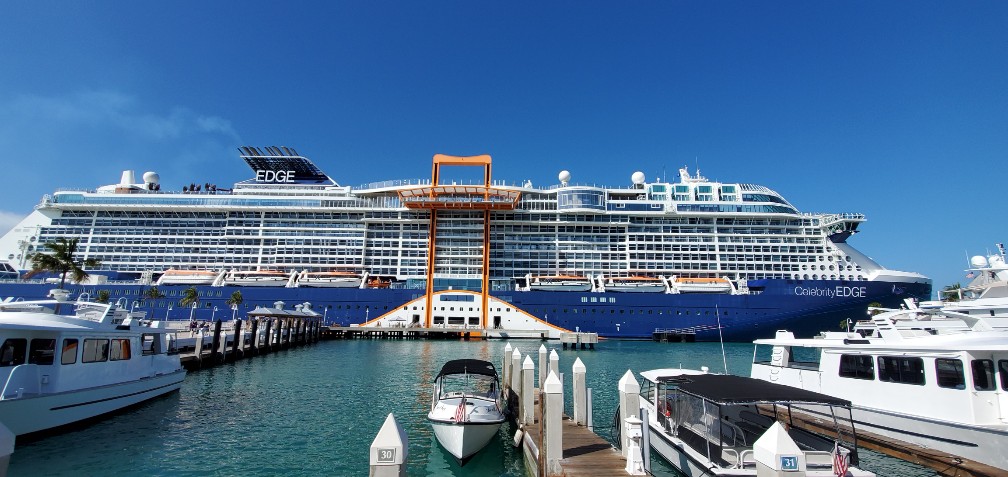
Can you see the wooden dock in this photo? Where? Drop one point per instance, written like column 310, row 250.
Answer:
column 584, row 452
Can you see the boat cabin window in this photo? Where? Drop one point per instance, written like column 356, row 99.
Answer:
column 42, row 351
column 12, row 353
column 120, row 350
column 69, row 353
column 983, row 375
column 95, row 351
column 857, row 366
column 901, row 369
column 950, row 373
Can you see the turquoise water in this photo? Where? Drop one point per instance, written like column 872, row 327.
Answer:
column 315, row 411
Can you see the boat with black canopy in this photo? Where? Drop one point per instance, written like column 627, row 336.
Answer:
column 466, row 411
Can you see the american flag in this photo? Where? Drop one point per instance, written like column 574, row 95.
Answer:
column 970, row 275
column 460, row 413
column 840, row 463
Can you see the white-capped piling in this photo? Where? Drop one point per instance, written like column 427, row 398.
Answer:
column 579, row 391
column 389, row 450
column 543, row 365
column 629, row 398
column 515, row 376
column 552, row 451
column 528, row 391
column 554, row 363
column 506, row 366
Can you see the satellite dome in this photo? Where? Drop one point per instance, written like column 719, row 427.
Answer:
column 151, row 177
column 978, row 261
column 637, row 178
column 564, row 177
column 996, row 261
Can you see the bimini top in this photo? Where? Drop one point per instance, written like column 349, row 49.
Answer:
column 470, row 366
column 728, row 389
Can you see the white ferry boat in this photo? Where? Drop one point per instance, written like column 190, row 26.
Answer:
column 59, row 369
column 941, row 391
column 441, row 255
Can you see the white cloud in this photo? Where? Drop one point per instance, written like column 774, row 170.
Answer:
column 8, row 220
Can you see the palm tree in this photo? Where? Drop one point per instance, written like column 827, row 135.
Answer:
column 61, row 258
column 951, row 292
column 189, row 297
column 874, row 304
column 103, row 296
column 153, row 293
column 235, row 299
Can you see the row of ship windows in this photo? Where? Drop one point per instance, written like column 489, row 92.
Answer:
column 15, row 351
column 949, row 373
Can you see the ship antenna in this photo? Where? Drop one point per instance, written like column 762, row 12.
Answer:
column 724, row 357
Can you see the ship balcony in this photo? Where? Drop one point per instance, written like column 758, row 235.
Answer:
column 472, row 197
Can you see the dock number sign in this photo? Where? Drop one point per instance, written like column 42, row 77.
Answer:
column 386, row 455
column 787, row 462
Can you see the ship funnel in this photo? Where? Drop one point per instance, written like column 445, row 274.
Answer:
column 128, row 178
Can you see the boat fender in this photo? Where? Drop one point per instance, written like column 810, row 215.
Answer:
column 518, row 437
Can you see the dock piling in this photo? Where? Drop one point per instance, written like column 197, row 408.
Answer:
column 528, row 391
column 389, row 450
column 237, row 341
column 543, row 365
column 506, row 366
column 552, row 419
column 554, row 363
column 579, row 392
column 629, row 392
column 216, row 342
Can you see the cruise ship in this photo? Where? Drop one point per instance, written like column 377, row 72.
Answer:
column 694, row 259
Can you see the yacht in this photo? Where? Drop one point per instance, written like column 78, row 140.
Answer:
column 723, row 425
column 58, row 369
column 939, row 390
column 465, row 410
column 985, row 295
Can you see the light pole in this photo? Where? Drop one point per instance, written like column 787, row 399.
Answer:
column 234, row 312
column 167, row 312
column 192, row 311
column 213, row 315
column 325, row 313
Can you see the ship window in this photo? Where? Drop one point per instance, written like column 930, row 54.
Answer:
column 95, row 351
column 12, row 353
column 69, row 353
column 899, row 369
column 1003, row 371
column 983, row 375
column 120, row 350
column 950, row 373
column 42, row 351
column 857, row 366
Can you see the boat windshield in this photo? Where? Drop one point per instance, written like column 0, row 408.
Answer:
column 469, row 385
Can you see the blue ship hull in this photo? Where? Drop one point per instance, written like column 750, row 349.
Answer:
column 805, row 307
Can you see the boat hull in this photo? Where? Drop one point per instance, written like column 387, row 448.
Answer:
column 806, row 307
column 463, row 440
column 32, row 414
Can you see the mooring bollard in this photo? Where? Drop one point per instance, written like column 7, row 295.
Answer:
column 629, row 392
column 528, row 391
column 543, row 365
column 552, row 431
column 389, row 450
column 579, row 392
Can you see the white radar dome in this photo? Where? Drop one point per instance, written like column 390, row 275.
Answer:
column 564, row 177
column 978, row 261
column 637, row 178
column 151, row 177
column 996, row 261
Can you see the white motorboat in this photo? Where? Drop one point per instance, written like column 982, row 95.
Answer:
column 941, row 390
column 723, row 425
column 334, row 279
column 466, row 410
column 985, row 295
column 59, row 369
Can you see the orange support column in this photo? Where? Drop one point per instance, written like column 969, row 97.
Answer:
column 431, row 246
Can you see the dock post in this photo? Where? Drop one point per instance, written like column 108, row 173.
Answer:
column 543, row 365
column 217, row 342
column 551, row 425
column 389, row 450
column 278, row 334
column 528, row 391
column 236, row 344
column 554, row 363
column 515, row 378
column 254, row 344
column 579, row 392
column 506, row 371
column 629, row 392
column 198, row 349
column 6, row 448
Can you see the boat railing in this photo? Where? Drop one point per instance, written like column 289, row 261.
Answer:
column 24, row 380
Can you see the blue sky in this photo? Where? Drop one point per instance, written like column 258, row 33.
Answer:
column 898, row 110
